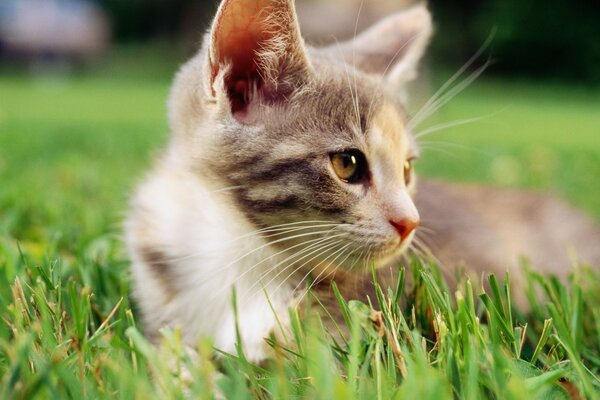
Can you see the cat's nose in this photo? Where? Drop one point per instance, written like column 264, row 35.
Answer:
column 405, row 226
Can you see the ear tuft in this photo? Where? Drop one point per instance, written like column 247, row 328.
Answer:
column 256, row 47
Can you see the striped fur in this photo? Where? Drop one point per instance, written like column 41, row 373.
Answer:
column 245, row 195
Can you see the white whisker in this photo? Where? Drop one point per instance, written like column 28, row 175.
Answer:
column 357, row 106
column 446, row 97
column 354, row 96
column 433, row 99
column 234, row 262
column 283, row 227
column 280, row 231
column 388, row 66
column 337, row 254
column 425, row 229
column 439, row 145
column 316, row 246
column 226, row 189
column 450, row 124
column 439, row 150
column 340, row 242
column 319, row 250
column 357, row 258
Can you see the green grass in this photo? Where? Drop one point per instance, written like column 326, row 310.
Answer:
column 70, row 150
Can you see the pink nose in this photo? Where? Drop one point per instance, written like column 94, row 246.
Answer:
column 404, row 227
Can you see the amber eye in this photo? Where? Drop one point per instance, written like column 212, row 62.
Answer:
column 407, row 172
column 350, row 165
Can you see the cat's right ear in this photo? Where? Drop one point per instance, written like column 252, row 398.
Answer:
column 255, row 54
column 392, row 47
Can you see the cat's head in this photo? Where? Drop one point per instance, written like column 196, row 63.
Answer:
column 312, row 144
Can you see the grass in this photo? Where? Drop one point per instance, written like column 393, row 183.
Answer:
column 70, row 150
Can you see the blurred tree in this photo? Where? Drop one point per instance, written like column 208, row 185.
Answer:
column 151, row 19
column 536, row 38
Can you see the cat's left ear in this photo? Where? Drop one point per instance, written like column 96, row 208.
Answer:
column 392, row 47
column 255, row 53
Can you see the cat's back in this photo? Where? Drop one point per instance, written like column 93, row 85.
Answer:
column 490, row 229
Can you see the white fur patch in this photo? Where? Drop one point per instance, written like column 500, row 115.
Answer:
column 211, row 251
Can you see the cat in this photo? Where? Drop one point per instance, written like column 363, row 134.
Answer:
column 290, row 164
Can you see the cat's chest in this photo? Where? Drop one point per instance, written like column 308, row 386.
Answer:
column 240, row 288
column 212, row 257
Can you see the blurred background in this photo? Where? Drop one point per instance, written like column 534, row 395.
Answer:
column 537, row 39
column 83, row 86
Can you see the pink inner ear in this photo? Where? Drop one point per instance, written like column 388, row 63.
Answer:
column 239, row 33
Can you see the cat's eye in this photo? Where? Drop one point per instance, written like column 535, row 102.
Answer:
column 350, row 165
column 407, row 171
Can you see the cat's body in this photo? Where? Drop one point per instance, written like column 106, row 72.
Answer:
column 491, row 230
column 288, row 164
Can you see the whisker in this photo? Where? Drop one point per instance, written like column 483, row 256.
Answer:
column 350, row 253
column 320, row 251
column 332, row 273
column 453, row 78
column 425, row 250
column 340, row 242
column 369, row 256
column 426, row 229
column 316, row 280
column 337, row 254
column 414, row 247
column 448, row 153
column 308, row 244
column 354, row 96
column 234, row 262
column 447, row 125
column 436, row 145
column 397, row 53
column 388, row 66
column 357, row 106
column 281, row 231
column 358, row 258
column 446, row 97
column 226, row 189
column 283, row 227
column 313, row 248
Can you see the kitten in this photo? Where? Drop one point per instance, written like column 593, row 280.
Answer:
column 288, row 164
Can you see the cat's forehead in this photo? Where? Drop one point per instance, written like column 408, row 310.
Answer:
column 346, row 108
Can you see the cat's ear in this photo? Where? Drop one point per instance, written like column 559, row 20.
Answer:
column 392, row 47
column 255, row 53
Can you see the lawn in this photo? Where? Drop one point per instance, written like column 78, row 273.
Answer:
column 70, row 151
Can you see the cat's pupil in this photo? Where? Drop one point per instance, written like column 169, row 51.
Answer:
column 350, row 166
column 348, row 160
